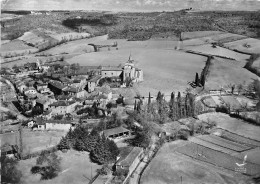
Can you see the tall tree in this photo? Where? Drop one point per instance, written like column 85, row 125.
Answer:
column 197, row 80
column 202, row 80
column 149, row 103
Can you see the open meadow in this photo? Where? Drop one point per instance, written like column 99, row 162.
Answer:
column 33, row 141
column 224, row 72
column 249, row 45
column 76, row 168
column 234, row 125
column 169, row 166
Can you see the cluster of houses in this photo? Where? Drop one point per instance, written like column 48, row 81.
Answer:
column 61, row 89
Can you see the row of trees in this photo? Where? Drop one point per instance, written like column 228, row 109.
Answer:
column 161, row 110
column 102, row 150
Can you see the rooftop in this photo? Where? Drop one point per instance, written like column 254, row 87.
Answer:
column 57, row 84
column 114, row 131
column 62, row 103
column 95, row 79
column 128, row 155
column 111, row 68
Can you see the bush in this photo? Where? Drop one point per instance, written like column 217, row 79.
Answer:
column 222, row 109
column 9, row 171
column 48, row 165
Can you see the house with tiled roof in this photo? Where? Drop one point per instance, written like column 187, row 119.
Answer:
column 128, row 159
column 78, row 92
column 93, row 82
column 44, row 102
column 56, row 87
column 63, row 107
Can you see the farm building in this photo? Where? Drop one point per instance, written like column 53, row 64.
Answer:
column 129, row 158
column 118, row 132
column 59, row 125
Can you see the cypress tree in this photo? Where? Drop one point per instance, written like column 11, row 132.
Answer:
column 197, row 80
column 202, row 80
column 149, row 103
column 63, row 144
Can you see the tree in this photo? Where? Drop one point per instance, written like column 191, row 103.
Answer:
column 105, row 151
column 63, row 145
column 202, row 80
column 159, row 97
column 48, row 165
column 197, row 80
column 9, row 171
column 36, row 110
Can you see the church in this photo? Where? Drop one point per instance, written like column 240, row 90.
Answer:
column 128, row 71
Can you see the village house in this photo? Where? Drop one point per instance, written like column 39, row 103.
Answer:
column 47, row 115
column 21, row 87
column 92, row 83
column 78, row 92
column 56, row 87
column 63, row 107
column 128, row 159
column 44, row 102
column 118, row 132
column 59, row 125
column 41, row 86
column 30, row 91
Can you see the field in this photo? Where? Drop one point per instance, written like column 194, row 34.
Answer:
column 171, row 167
column 15, row 46
column 237, row 138
column 225, row 72
column 34, row 141
column 249, row 45
column 234, row 125
column 76, row 169
column 224, row 143
column 232, row 101
column 217, row 157
column 218, row 51
column 164, row 68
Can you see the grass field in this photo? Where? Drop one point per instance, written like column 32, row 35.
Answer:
column 249, row 45
column 234, row 125
column 164, row 68
column 199, row 34
column 170, row 167
column 15, row 45
column 217, row 157
column 222, row 73
column 218, row 51
column 224, row 143
column 237, row 138
column 76, row 169
column 33, row 141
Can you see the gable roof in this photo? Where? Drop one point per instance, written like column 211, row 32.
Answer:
column 95, row 79
column 57, row 84
column 114, row 131
column 62, row 103
column 111, row 68
column 128, row 155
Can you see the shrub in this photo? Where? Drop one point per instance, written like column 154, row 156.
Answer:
column 48, row 165
column 9, row 171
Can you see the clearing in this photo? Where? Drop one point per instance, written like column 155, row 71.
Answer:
column 16, row 46
column 218, row 51
column 249, row 45
column 76, row 169
column 171, row 167
column 224, row 72
column 34, row 141
column 234, row 125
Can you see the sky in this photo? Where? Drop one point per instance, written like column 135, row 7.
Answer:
column 130, row 5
